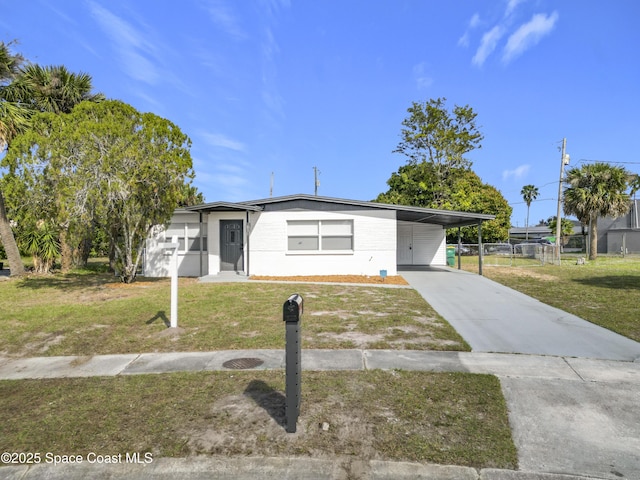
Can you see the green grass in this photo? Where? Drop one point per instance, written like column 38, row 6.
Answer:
column 445, row 418
column 605, row 291
column 88, row 313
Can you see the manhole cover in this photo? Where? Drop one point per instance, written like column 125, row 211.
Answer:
column 242, row 363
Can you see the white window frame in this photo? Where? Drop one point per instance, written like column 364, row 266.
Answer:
column 185, row 231
column 313, row 231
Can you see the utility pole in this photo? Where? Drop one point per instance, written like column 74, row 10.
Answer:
column 316, row 182
column 564, row 160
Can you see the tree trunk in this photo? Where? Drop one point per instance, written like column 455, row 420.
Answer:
column 83, row 251
column 593, row 236
column 66, row 252
column 9, row 242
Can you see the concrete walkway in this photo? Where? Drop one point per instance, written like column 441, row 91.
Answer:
column 571, row 418
column 495, row 318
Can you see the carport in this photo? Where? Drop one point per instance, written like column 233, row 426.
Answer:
column 445, row 218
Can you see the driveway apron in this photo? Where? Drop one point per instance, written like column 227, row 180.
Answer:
column 495, row 318
column 585, row 426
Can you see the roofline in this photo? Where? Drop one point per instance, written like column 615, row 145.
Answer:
column 223, row 206
column 467, row 218
column 363, row 203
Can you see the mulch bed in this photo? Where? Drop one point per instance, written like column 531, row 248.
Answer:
column 364, row 279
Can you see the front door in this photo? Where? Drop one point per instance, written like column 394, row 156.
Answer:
column 405, row 245
column 231, row 246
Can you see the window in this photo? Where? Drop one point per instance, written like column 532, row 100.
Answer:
column 190, row 231
column 320, row 235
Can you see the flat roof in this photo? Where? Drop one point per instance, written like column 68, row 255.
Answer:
column 445, row 218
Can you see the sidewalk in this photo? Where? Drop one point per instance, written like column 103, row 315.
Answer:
column 502, row 365
column 571, row 418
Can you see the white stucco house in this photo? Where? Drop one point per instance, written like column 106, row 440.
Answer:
column 303, row 235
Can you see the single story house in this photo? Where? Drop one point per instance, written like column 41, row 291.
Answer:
column 303, row 235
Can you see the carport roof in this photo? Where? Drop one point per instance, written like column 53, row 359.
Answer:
column 446, row 218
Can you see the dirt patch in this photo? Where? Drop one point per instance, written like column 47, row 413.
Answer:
column 365, row 279
column 173, row 333
column 359, row 339
column 77, row 361
column 254, row 424
column 341, row 314
column 41, row 342
column 101, row 294
column 529, row 273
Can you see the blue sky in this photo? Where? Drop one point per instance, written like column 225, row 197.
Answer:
column 282, row 86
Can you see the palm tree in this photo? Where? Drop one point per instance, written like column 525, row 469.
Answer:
column 34, row 88
column 634, row 184
column 50, row 89
column 54, row 89
column 13, row 119
column 596, row 190
column 529, row 194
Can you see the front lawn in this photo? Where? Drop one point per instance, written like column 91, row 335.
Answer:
column 445, row 418
column 92, row 313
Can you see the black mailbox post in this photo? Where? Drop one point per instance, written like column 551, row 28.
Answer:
column 292, row 315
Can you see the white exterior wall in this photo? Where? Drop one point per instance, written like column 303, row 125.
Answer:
column 374, row 245
column 157, row 264
column 376, row 242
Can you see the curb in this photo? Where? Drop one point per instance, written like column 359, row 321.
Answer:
column 241, row 468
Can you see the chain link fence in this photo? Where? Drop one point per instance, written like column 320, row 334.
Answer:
column 507, row 255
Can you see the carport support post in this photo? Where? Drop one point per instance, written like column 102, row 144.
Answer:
column 480, row 249
column 459, row 249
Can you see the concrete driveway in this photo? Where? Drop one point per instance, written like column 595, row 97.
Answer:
column 494, row 318
column 587, row 425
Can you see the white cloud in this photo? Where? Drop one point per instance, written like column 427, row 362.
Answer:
column 133, row 46
column 463, row 41
column 511, row 6
column 223, row 18
column 487, row 45
column 529, row 34
column 423, row 80
column 475, row 20
column 271, row 97
column 516, row 173
column 222, row 141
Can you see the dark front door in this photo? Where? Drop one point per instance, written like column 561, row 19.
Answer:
column 231, row 246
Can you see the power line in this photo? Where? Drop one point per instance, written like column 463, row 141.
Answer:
column 535, row 201
column 585, row 160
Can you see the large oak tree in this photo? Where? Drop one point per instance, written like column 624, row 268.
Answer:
column 431, row 134
column 437, row 174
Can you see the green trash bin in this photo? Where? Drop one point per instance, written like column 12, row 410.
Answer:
column 451, row 256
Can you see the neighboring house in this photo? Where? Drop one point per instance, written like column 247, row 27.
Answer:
column 304, row 235
column 624, row 231
column 614, row 234
column 538, row 232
